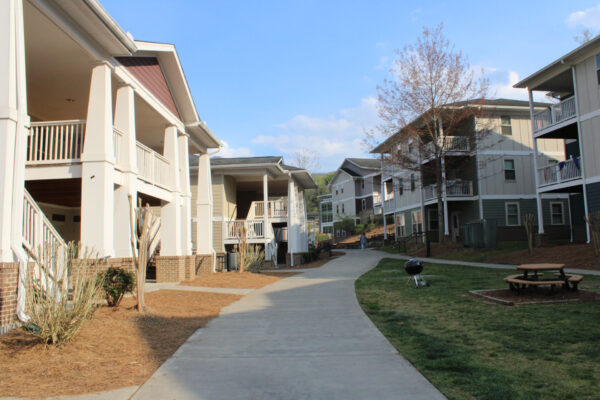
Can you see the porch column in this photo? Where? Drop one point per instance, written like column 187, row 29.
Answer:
column 383, row 201
column 204, row 225
column 291, row 225
column 266, row 212
column 14, row 123
column 186, row 195
column 445, row 199
column 125, row 124
column 97, row 193
column 170, row 235
column 538, row 196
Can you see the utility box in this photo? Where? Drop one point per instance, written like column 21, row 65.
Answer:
column 233, row 261
column 480, row 234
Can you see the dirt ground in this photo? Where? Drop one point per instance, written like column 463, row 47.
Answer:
column 117, row 348
column 572, row 255
column 540, row 295
column 237, row 280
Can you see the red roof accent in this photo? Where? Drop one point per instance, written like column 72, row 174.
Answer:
column 147, row 70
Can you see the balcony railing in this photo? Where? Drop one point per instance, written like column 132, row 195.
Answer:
column 554, row 114
column 561, row 172
column 152, row 166
column 254, row 229
column 277, row 209
column 55, row 142
column 118, row 144
column 38, row 232
column 449, row 144
column 453, row 189
column 376, row 198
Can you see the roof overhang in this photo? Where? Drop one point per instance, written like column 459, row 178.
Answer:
column 560, row 65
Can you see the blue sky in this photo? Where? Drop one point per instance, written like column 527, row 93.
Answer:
column 276, row 77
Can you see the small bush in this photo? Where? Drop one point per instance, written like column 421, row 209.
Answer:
column 255, row 259
column 313, row 254
column 320, row 237
column 358, row 228
column 116, row 282
column 61, row 293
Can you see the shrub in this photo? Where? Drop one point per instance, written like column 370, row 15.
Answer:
column 62, row 292
column 359, row 228
column 116, row 282
column 313, row 254
column 320, row 237
column 255, row 258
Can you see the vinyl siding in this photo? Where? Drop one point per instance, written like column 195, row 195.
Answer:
column 492, row 175
column 218, row 195
column 230, row 198
column 590, row 131
column 593, row 197
column 588, row 90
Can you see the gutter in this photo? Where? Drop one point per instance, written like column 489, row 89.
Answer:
column 111, row 25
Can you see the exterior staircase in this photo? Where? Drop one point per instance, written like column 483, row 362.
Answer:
column 38, row 231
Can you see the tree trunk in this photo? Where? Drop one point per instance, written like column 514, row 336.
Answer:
column 440, row 206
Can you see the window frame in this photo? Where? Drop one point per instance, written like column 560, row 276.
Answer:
column 562, row 212
column 400, row 187
column 413, row 183
column 363, row 204
column 401, row 226
column 598, row 67
column 513, row 170
column 512, row 203
column 503, row 125
column 415, row 221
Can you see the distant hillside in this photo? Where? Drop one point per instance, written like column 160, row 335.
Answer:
column 322, row 179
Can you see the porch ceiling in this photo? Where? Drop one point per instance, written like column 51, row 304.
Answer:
column 62, row 192
column 276, row 187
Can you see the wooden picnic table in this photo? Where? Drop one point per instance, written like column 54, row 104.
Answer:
column 525, row 279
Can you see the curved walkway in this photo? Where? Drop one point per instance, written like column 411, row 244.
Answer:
column 304, row 337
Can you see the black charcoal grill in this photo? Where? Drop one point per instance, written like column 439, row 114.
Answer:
column 414, row 268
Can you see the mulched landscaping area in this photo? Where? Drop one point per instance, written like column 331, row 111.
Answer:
column 117, row 348
column 237, row 280
column 474, row 349
column 541, row 295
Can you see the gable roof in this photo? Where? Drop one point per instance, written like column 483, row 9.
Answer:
column 369, row 163
column 245, row 160
column 350, row 172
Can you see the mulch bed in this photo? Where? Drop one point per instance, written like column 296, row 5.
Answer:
column 237, row 280
column 540, row 295
column 572, row 255
column 117, row 348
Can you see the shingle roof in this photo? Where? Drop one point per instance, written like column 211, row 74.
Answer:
column 291, row 168
column 245, row 160
column 350, row 172
column 371, row 163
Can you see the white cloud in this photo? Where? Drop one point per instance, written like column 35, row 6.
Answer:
column 501, row 88
column 227, row 151
column 331, row 138
column 589, row 18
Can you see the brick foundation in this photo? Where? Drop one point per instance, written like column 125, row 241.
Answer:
column 182, row 268
column 298, row 258
column 9, row 278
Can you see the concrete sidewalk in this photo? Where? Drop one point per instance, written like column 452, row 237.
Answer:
column 479, row 264
column 303, row 337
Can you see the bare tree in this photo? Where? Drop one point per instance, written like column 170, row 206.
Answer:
column 306, row 159
column 433, row 96
column 585, row 36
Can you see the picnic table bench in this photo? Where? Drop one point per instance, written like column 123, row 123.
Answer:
column 532, row 276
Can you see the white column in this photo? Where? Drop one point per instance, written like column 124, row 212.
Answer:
column 125, row 123
column 186, row 195
column 291, row 225
column 170, row 235
column 538, row 197
column 14, row 122
column 445, row 199
column 383, row 201
column 204, row 240
column 97, row 193
column 266, row 212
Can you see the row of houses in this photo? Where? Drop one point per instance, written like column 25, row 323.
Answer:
column 93, row 122
column 537, row 158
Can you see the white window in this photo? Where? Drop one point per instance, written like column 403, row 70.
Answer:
column 433, row 222
column 506, row 125
column 342, row 190
column 400, row 225
column 598, row 67
column 509, row 170
column 413, row 184
column 416, row 221
column 343, row 211
column 364, row 204
column 557, row 216
column 513, row 214
column 400, row 187
column 337, row 208
column 362, row 184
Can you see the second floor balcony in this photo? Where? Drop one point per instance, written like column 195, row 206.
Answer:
column 560, row 172
column 555, row 114
column 453, row 189
column 277, row 209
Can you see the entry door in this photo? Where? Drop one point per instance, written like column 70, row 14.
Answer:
column 455, row 226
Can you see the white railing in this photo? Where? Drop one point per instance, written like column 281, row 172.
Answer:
column 561, row 172
column 38, row 232
column 449, row 144
column 277, row 209
column 281, row 234
column 389, row 204
column 555, row 113
column 453, row 189
column 118, row 146
column 254, row 229
column 55, row 142
column 152, row 166
column 376, row 198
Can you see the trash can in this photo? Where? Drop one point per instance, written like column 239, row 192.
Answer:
column 233, row 261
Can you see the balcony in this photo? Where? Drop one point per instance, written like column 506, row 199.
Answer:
column 277, row 209
column 61, row 142
column 254, row 229
column 563, row 171
column 450, row 144
column 555, row 114
column 453, row 189
column 376, row 198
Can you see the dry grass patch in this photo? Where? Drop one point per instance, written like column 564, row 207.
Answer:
column 117, row 348
column 238, row 280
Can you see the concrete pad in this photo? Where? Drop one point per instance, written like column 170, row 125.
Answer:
column 303, row 337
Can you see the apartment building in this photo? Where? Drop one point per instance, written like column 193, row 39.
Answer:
column 265, row 197
column 487, row 176
column 355, row 189
column 89, row 118
column 573, row 81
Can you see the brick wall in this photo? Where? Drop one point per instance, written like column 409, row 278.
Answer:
column 9, row 277
column 204, row 263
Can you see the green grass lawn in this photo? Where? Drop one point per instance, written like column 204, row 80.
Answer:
column 471, row 349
